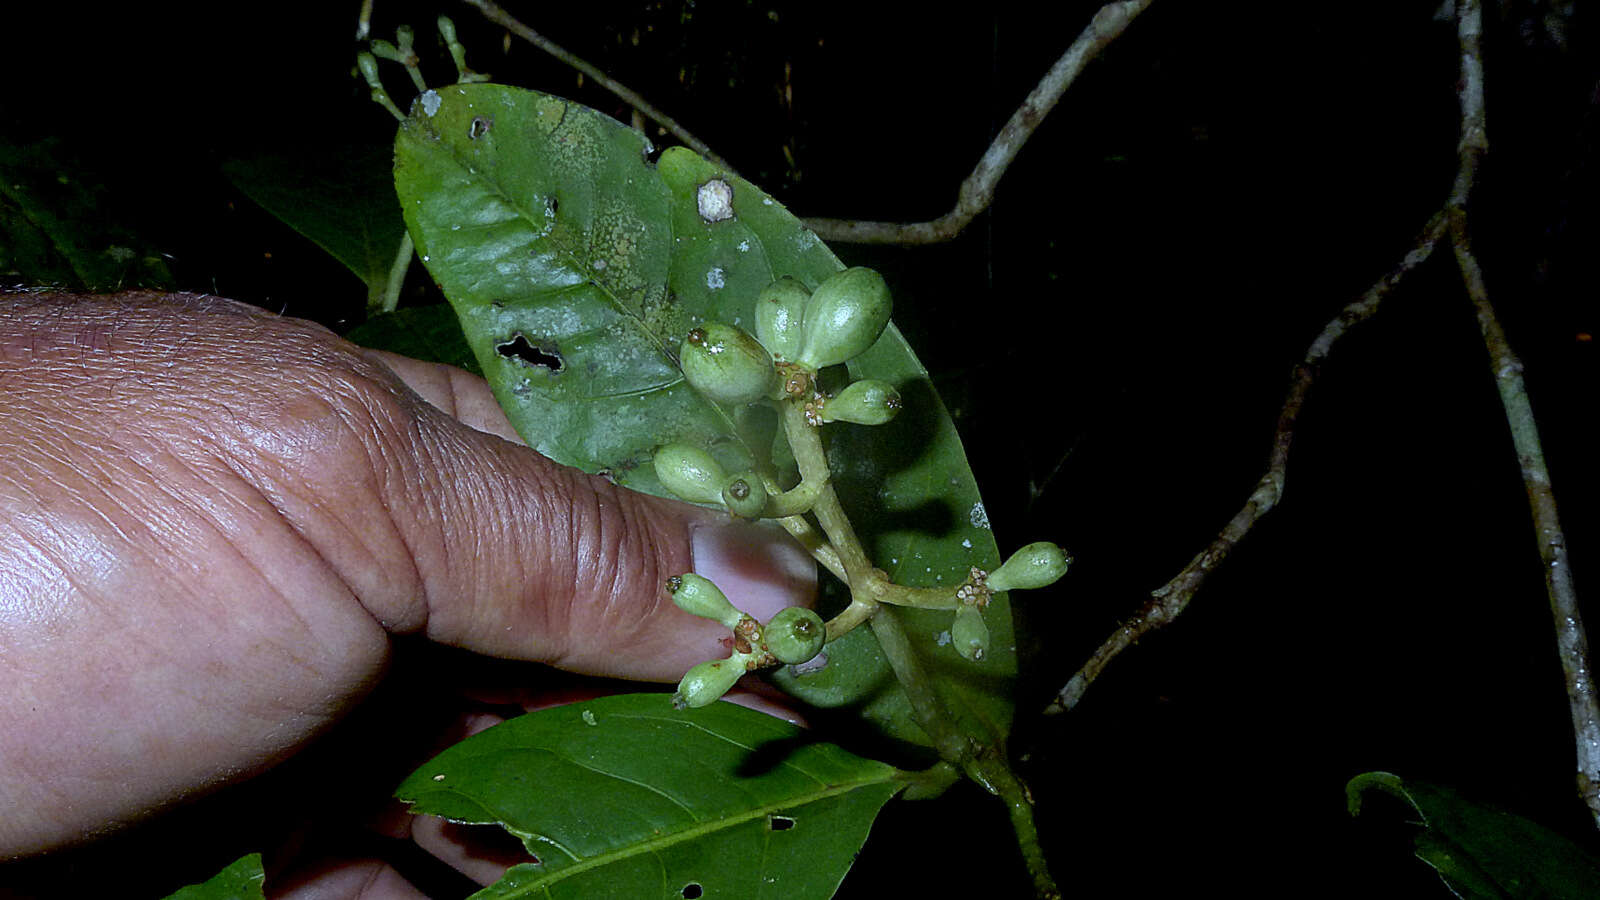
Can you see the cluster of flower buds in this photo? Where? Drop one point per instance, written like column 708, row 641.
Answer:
column 793, row 636
column 798, row 333
column 1035, row 566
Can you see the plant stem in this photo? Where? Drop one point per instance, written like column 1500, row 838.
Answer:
column 983, row 764
column 812, row 460
column 801, row 529
column 926, row 705
column 390, row 301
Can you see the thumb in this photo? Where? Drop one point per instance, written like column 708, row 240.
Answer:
column 524, row 558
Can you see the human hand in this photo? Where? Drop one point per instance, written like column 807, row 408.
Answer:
column 213, row 519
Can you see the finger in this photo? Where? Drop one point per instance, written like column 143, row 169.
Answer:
column 529, row 559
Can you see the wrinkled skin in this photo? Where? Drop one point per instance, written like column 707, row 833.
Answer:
column 214, row 522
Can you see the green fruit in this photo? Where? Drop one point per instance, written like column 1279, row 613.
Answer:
column 969, row 633
column 795, row 635
column 1034, row 566
column 844, row 317
column 696, row 595
column 707, row 682
column 780, row 314
column 726, row 364
column 745, row 495
column 865, row 402
column 690, row 473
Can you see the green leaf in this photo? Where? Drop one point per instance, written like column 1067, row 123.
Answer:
column 625, row 796
column 576, row 267
column 1484, row 853
column 340, row 198
column 428, row 333
column 55, row 228
column 239, row 881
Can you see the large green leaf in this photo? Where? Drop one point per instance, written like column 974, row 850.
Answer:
column 341, row 199
column 1483, row 853
column 626, row 797
column 576, row 265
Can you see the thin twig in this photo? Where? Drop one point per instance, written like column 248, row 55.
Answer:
column 1571, row 641
column 1169, row 600
column 495, row 14
column 977, row 191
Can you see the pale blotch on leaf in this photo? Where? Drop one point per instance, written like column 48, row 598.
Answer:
column 716, row 278
column 715, row 200
column 430, row 102
column 979, row 517
column 614, row 242
column 548, row 113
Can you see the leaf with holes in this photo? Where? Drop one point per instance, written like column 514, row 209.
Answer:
column 576, row 265
column 626, row 797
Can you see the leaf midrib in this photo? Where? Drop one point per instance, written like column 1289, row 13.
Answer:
column 693, row 832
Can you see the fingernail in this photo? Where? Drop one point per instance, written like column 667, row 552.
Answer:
column 759, row 567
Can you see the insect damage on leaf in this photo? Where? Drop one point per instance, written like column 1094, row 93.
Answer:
column 531, row 354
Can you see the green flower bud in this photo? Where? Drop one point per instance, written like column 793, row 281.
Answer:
column 690, row 473
column 969, row 633
column 696, row 595
column 726, row 364
column 780, row 313
column 845, row 316
column 865, row 402
column 795, row 635
column 1034, row 566
column 745, row 495
column 707, row 682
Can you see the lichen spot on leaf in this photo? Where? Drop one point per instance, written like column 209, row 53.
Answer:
column 715, row 200
column 548, row 113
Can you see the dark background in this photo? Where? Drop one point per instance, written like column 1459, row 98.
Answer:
column 1114, row 338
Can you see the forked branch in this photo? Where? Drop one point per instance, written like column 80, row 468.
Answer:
column 1572, row 643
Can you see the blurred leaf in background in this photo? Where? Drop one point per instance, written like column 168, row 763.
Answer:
column 58, row 230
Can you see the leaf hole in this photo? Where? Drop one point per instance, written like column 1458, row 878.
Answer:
column 528, row 353
column 780, row 823
column 692, row 890
column 479, row 127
